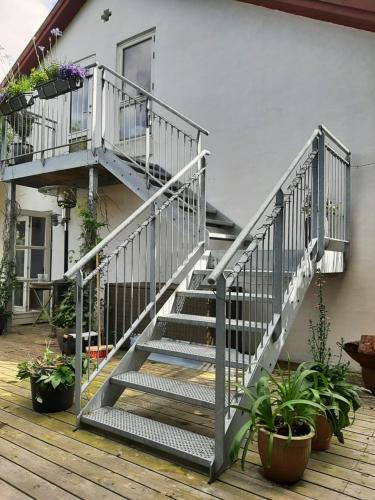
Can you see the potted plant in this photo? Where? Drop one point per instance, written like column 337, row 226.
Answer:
column 22, row 124
column 8, row 283
column 282, row 413
column 335, row 393
column 17, row 95
column 366, row 360
column 52, row 378
column 52, row 78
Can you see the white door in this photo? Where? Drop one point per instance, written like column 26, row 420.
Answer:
column 135, row 58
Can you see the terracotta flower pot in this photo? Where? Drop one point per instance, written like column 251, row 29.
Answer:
column 367, row 362
column 288, row 462
column 323, row 434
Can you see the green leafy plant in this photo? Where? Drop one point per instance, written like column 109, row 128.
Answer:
column 285, row 407
column 22, row 124
column 8, row 283
column 38, row 77
column 338, row 396
column 19, row 86
column 51, row 369
column 64, row 315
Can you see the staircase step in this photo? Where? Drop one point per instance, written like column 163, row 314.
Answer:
column 198, row 352
column 209, row 321
column 221, row 236
column 179, row 442
column 211, row 211
column 219, row 222
column 196, row 394
column 211, row 295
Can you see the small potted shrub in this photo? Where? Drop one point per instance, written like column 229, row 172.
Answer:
column 52, row 378
column 336, row 394
column 22, row 125
column 282, row 413
column 8, row 283
column 17, row 95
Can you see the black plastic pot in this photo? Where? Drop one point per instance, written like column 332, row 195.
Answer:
column 57, row 87
column 46, row 399
column 16, row 103
column 22, row 152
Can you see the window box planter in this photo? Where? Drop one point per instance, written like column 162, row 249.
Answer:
column 16, row 103
column 57, row 87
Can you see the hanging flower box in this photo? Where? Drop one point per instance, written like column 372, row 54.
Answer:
column 16, row 103
column 57, row 87
column 69, row 78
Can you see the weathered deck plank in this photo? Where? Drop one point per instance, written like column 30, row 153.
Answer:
column 42, row 457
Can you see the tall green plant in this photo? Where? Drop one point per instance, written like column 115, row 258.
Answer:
column 8, row 283
column 319, row 331
column 286, row 407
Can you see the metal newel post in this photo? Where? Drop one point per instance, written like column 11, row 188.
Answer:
column 97, row 91
column 153, row 261
column 3, row 143
column 78, row 353
column 220, row 372
column 347, row 209
column 321, row 196
column 202, row 202
column 315, row 190
column 148, row 137
column 278, row 253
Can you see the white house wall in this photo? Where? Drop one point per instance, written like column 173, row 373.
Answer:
column 260, row 81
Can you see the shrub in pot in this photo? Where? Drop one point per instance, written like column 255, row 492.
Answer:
column 52, row 378
column 282, row 413
column 8, row 283
column 334, row 392
column 22, row 125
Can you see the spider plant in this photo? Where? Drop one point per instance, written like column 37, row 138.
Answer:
column 282, row 406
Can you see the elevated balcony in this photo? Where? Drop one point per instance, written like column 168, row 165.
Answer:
column 55, row 141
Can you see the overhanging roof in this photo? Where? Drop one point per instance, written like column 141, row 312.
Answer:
column 358, row 14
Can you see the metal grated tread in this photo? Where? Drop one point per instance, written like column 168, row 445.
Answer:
column 199, row 352
column 211, row 295
column 202, row 395
column 210, row 321
column 185, row 444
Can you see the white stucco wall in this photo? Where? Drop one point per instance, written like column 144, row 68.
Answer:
column 260, row 81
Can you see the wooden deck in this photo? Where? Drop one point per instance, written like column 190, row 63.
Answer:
column 43, row 457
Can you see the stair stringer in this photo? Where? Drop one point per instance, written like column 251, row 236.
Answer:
column 268, row 354
column 108, row 393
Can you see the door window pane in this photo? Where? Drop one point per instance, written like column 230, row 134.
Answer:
column 38, row 227
column 20, row 263
column 18, row 296
column 133, row 121
column 136, row 64
column 79, row 106
column 36, row 263
column 21, row 232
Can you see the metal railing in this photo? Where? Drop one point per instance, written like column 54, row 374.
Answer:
column 119, row 282
column 49, row 128
column 309, row 204
column 108, row 111
column 151, row 134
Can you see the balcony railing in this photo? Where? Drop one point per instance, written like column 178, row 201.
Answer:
column 108, row 111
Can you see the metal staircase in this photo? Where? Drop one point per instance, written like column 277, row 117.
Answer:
column 164, row 256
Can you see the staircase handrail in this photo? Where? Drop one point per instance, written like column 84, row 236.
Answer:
column 78, row 266
column 155, row 99
column 245, row 234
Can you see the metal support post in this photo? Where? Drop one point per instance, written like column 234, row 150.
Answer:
column 278, row 253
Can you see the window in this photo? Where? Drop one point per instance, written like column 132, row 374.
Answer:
column 32, row 257
column 135, row 61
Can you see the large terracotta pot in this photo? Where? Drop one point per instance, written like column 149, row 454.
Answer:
column 367, row 362
column 288, row 462
column 323, row 434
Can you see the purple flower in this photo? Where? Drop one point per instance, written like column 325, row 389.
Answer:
column 67, row 71
column 56, row 32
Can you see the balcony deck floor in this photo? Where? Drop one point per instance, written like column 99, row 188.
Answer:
column 42, row 457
